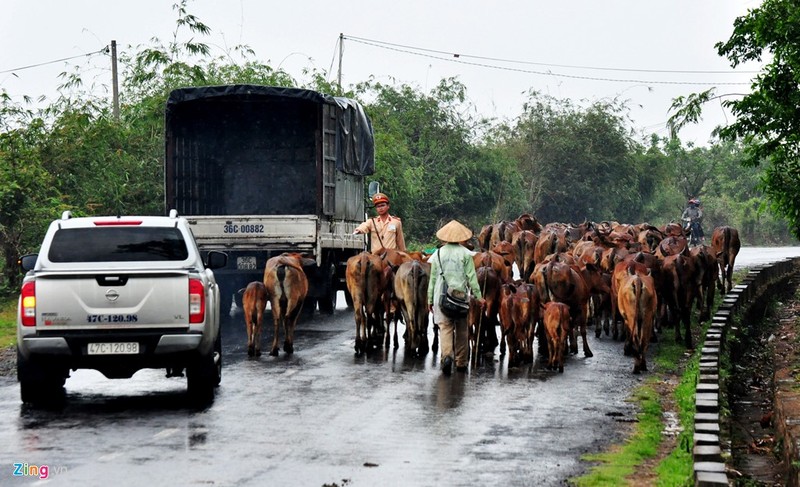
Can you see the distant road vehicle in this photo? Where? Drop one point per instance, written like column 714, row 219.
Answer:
column 118, row 294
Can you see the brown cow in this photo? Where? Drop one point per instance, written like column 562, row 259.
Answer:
column 287, row 286
column 680, row 289
column 707, row 277
column 254, row 302
column 671, row 245
column 524, row 243
column 557, row 281
column 483, row 321
column 725, row 246
column 637, row 303
column 495, row 261
column 411, row 289
column 519, row 307
column 556, row 326
column 365, row 282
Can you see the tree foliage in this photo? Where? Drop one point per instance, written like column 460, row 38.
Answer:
column 435, row 156
column 768, row 118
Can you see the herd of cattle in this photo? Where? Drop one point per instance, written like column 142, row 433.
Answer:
column 645, row 277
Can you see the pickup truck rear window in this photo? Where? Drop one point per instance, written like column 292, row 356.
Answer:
column 118, row 244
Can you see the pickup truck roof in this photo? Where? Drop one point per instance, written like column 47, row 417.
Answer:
column 118, row 243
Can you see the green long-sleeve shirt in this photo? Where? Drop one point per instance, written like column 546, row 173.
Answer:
column 458, row 269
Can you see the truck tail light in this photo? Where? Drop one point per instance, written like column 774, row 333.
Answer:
column 27, row 309
column 197, row 301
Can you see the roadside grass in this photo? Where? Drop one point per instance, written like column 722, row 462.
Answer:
column 8, row 322
column 616, row 465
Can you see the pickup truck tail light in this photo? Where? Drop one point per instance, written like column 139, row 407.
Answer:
column 28, row 308
column 197, row 301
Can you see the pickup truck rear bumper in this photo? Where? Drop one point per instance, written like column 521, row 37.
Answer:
column 60, row 345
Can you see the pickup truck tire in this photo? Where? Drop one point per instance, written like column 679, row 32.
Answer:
column 218, row 359
column 201, row 378
column 39, row 385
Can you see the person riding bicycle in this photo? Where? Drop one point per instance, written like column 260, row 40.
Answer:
column 693, row 219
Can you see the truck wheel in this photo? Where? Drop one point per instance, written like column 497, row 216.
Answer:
column 39, row 385
column 327, row 302
column 218, row 359
column 225, row 301
column 200, row 380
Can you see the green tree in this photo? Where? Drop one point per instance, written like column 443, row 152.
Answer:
column 576, row 162
column 767, row 118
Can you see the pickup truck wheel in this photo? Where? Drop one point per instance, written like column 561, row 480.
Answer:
column 218, row 359
column 200, row 380
column 225, row 301
column 38, row 385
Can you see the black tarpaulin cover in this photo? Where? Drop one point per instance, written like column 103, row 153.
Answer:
column 355, row 148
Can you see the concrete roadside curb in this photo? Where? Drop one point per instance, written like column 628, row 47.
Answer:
column 760, row 284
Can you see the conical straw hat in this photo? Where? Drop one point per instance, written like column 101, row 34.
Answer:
column 454, row 232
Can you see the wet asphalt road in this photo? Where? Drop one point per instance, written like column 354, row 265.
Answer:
column 326, row 417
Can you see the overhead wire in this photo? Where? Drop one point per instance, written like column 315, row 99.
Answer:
column 456, row 58
column 104, row 50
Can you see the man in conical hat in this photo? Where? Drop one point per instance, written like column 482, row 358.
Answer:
column 452, row 263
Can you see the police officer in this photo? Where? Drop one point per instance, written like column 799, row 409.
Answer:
column 385, row 230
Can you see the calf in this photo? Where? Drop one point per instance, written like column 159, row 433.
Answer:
column 638, row 303
column 254, row 302
column 519, row 306
column 556, row 326
column 287, row 286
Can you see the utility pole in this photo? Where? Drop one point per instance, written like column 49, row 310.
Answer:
column 341, row 51
column 114, row 82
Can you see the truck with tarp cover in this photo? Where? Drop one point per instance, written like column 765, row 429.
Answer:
column 261, row 170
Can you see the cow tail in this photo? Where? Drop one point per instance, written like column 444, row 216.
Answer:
column 547, row 292
column 280, row 272
column 637, row 319
column 365, row 265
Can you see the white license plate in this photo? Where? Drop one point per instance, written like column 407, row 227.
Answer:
column 113, row 348
column 246, row 263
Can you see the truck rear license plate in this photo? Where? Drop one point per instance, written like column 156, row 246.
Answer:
column 113, row 348
column 246, row 263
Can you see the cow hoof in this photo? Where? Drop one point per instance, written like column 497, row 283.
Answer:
column 654, row 338
column 288, row 348
column 258, row 353
column 561, row 370
column 636, row 371
column 588, row 353
column 250, row 351
column 274, row 352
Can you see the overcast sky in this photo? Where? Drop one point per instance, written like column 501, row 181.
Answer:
column 555, row 47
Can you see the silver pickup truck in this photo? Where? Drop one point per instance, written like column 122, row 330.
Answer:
column 118, row 294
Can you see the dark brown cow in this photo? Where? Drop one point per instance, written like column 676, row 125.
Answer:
column 519, row 307
column 556, row 326
column 725, row 246
column 680, row 289
column 649, row 237
column 557, row 281
column 524, row 243
column 254, row 303
column 483, row 321
column 364, row 275
column 287, row 286
column 707, row 277
column 637, row 304
column 508, row 253
column 411, row 289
